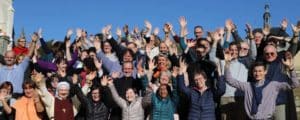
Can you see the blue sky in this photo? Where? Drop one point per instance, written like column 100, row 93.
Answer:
column 56, row 16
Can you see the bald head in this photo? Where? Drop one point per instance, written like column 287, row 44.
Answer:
column 270, row 53
column 9, row 58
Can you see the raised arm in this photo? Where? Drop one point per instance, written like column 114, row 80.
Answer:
column 289, row 64
column 181, row 85
column 228, row 77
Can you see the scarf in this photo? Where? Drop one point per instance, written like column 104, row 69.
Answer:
column 257, row 96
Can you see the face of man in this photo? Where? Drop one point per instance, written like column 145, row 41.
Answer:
column 199, row 81
column 198, row 32
column 244, row 49
column 259, row 73
column 9, row 58
column 96, row 95
column 270, row 53
column 127, row 69
column 22, row 42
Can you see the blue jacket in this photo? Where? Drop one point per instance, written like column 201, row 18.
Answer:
column 202, row 107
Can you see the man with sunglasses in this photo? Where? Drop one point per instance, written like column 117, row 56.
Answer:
column 277, row 72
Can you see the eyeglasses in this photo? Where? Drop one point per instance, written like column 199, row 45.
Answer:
column 270, row 53
column 244, row 48
column 22, row 41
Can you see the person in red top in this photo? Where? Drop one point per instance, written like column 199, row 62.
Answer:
column 21, row 48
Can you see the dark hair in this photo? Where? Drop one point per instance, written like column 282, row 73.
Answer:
column 100, row 36
column 102, row 46
column 6, row 84
column 28, row 83
column 168, row 89
column 94, row 87
column 92, row 49
column 89, row 64
column 198, row 26
column 60, row 59
column 128, row 51
column 235, row 43
column 133, row 89
column 259, row 63
column 199, row 71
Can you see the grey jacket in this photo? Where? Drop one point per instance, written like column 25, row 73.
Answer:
column 130, row 111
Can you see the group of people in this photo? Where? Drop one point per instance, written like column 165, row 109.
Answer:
column 139, row 75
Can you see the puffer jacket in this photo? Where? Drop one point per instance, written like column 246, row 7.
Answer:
column 130, row 111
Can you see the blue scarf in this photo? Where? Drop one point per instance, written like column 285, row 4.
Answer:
column 257, row 96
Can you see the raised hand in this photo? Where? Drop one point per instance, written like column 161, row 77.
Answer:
column 104, row 80
column 182, row 65
column 296, row 29
column 284, row 24
column 148, row 25
column 74, row 79
column 78, row 32
column 126, row 29
column 140, row 68
column 151, row 64
column 119, row 32
column 288, row 61
column 38, row 77
column 229, row 25
column 70, row 32
column 136, row 30
column 156, row 31
column 175, row 71
column 182, row 22
column 249, row 30
column 108, row 29
column 115, row 75
column 68, row 43
column 34, row 37
column 190, row 43
column 166, row 28
column 40, row 31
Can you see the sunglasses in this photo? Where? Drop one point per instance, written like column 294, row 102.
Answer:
column 270, row 53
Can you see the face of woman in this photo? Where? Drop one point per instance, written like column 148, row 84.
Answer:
column 62, row 65
column 130, row 95
column 54, row 82
column 163, row 92
column 28, row 91
column 127, row 57
column 63, row 92
column 162, row 61
column 106, row 48
column 4, row 92
column 164, row 79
